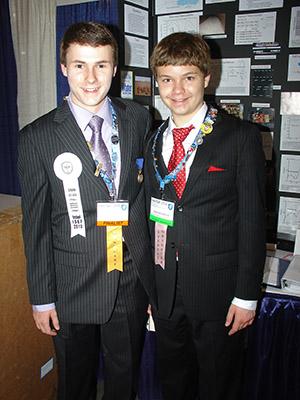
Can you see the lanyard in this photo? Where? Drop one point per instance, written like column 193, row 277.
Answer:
column 205, row 129
column 110, row 180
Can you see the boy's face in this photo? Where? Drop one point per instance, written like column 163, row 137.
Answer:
column 89, row 71
column 181, row 88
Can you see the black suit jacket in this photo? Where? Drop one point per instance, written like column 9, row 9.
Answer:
column 219, row 229
column 72, row 271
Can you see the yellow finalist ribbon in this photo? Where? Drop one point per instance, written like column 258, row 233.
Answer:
column 114, row 248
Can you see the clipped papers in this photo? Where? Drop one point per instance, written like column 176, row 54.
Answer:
column 291, row 278
column 275, row 267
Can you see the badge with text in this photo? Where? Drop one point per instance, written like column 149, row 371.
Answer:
column 162, row 211
column 113, row 215
column 68, row 168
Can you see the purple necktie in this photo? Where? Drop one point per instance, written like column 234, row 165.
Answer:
column 98, row 145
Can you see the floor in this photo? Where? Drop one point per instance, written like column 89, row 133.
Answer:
column 101, row 391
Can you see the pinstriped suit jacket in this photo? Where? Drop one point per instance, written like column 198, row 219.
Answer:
column 219, row 223
column 72, row 271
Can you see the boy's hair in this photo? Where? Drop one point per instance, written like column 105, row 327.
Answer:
column 88, row 33
column 181, row 48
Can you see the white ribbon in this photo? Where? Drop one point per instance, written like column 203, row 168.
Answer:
column 68, row 167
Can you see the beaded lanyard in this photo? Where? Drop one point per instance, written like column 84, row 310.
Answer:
column 205, row 129
column 110, row 180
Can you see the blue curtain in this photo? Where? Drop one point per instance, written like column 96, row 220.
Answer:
column 104, row 11
column 8, row 106
column 272, row 370
column 273, row 363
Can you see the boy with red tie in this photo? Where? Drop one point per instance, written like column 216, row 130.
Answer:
column 205, row 186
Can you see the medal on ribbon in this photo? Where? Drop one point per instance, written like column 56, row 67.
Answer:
column 140, row 163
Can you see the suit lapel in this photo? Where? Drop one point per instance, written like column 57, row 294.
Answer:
column 125, row 127
column 162, row 167
column 71, row 136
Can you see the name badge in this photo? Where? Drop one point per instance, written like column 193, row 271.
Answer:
column 162, row 211
column 112, row 213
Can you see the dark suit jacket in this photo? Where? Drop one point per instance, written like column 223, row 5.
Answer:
column 219, row 228
column 72, row 271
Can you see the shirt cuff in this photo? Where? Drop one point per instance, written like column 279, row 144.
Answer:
column 43, row 307
column 247, row 304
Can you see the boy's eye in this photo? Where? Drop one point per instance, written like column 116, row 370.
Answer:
column 78, row 66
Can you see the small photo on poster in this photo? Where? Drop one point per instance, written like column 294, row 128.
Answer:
column 235, row 109
column 142, row 86
column 212, row 25
column 290, row 103
column 263, row 116
column 127, row 84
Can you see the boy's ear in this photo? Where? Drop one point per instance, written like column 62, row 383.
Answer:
column 63, row 69
column 206, row 80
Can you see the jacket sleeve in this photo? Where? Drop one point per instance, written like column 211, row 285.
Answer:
column 36, row 208
column 251, row 213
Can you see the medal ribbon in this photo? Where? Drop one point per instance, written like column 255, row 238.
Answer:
column 114, row 248
column 160, row 244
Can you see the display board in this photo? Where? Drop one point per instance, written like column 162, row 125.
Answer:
column 255, row 47
column 135, row 44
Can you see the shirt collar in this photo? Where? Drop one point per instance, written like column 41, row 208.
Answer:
column 196, row 120
column 84, row 116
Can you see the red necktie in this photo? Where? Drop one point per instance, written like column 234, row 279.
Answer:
column 179, row 134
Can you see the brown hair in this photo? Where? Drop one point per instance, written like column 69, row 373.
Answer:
column 88, row 33
column 181, row 48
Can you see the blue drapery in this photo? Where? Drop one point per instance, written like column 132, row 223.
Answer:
column 104, row 11
column 272, row 370
column 8, row 106
column 273, row 364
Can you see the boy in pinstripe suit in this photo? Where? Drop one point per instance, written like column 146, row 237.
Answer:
column 84, row 224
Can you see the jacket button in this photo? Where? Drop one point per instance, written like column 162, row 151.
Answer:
column 179, row 208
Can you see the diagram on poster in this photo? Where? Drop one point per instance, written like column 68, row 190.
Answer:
column 290, row 173
column 289, row 215
column 289, row 134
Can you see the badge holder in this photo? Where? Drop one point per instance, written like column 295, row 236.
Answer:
column 162, row 213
